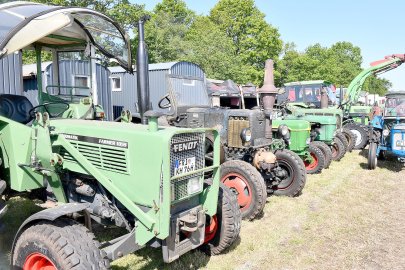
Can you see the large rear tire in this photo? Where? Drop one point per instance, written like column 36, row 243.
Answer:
column 338, row 149
column 296, row 175
column 62, row 244
column 223, row 229
column 350, row 137
column 372, row 156
column 248, row 185
column 325, row 150
column 361, row 135
column 318, row 160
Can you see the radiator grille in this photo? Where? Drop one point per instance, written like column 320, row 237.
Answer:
column 397, row 141
column 179, row 185
column 235, row 127
column 100, row 156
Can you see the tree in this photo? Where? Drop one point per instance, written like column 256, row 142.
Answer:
column 254, row 39
column 375, row 85
column 166, row 31
column 209, row 47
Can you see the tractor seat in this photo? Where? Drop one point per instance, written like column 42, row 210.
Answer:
column 15, row 108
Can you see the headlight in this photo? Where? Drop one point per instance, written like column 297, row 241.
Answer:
column 246, row 135
column 386, row 132
column 283, row 130
column 194, row 185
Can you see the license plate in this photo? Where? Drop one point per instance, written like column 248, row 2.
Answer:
column 400, row 143
column 183, row 166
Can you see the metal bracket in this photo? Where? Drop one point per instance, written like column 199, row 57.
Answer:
column 121, row 246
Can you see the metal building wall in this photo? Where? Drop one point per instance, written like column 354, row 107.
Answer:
column 158, row 83
column 11, row 75
column 67, row 69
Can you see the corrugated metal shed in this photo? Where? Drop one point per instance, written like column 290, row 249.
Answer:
column 11, row 75
column 184, row 75
column 67, row 70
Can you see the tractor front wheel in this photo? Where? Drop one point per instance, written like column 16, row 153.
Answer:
column 350, row 137
column 327, row 152
column 61, row 245
column 343, row 139
column 222, row 229
column 294, row 172
column 338, row 149
column 372, row 156
column 318, row 160
column 248, row 185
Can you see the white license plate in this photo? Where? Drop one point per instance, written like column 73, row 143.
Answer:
column 183, row 166
column 400, row 143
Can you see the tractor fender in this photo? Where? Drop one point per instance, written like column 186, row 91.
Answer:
column 377, row 122
column 50, row 214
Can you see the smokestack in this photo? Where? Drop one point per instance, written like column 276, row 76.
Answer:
column 142, row 71
column 268, row 94
column 324, row 98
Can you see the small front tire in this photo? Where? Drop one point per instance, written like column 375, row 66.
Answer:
column 372, row 156
column 223, row 229
column 327, row 152
column 318, row 160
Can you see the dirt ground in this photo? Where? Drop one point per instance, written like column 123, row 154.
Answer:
column 347, row 218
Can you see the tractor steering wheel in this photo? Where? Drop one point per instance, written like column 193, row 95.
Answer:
column 33, row 111
column 166, row 105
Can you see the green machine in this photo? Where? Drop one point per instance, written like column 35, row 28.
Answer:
column 298, row 139
column 150, row 180
column 300, row 100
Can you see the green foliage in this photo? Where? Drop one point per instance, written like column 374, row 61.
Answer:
column 254, row 39
column 375, row 85
column 209, row 47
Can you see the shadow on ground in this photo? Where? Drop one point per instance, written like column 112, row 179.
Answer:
column 390, row 162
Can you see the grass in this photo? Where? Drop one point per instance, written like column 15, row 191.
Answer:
column 347, row 218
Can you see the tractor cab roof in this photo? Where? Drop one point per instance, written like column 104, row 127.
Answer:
column 307, row 82
column 396, row 94
column 26, row 25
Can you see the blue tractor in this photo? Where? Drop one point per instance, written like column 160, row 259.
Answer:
column 388, row 134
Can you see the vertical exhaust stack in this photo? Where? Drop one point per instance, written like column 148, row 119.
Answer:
column 268, row 94
column 142, row 71
column 324, row 98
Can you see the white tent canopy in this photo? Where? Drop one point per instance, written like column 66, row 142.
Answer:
column 27, row 24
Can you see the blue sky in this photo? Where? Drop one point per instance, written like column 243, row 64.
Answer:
column 376, row 26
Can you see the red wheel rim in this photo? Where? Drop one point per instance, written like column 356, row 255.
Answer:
column 240, row 187
column 310, row 166
column 38, row 261
column 211, row 229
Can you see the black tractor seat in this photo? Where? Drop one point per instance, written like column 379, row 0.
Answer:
column 16, row 108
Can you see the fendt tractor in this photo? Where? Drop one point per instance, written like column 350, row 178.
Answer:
column 299, row 140
column 299, row 100
column 388, row 133
column 254, row 164
column 150, row 180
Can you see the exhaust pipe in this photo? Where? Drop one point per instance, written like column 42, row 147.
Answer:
column 268, row 94
column 324, row 98
column 142, row 71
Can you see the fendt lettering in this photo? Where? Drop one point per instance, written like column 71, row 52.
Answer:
column 184, row 146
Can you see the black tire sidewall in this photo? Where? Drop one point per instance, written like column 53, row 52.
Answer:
column 363, row 133
column 320, row 157
column 327, row 152
column 287, row 158
column 372, row 156
column 36, row 247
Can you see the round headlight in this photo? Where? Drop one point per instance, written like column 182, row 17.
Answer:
column 386, row 132
column 246, row 135
column 283, row 130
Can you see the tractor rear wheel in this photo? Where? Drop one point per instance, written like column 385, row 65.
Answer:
column 248, row 185
column 62, row 244
column 338, row 149
column 223, row 229
column 318, row 160
column 372, row 156
column 327, row 152
column 350, row 137
column 295, row 174
column 361, row 135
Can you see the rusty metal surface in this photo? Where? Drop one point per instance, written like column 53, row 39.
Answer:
column 235, row 127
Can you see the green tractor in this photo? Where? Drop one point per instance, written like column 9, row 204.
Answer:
column 149, row 180
column 254, row 164
column 299, row 138
column 298, row 100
